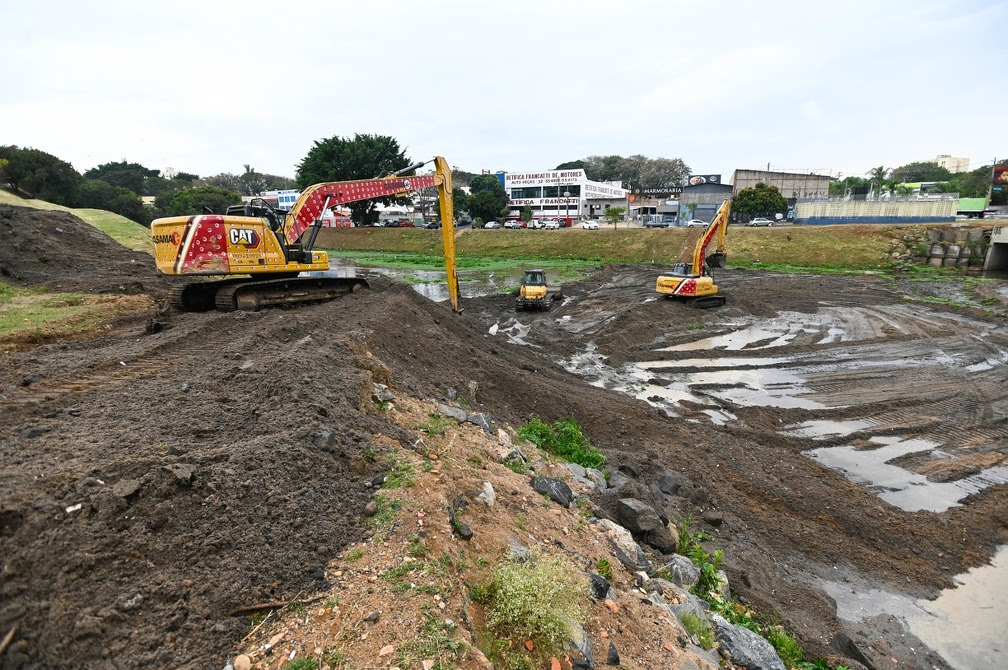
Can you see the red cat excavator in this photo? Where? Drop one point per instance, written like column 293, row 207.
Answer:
column 267, row 256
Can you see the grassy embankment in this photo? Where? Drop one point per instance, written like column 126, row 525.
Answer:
column 855, row 248
column 35, row 315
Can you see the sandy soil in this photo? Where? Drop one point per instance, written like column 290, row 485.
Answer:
column 180, row 466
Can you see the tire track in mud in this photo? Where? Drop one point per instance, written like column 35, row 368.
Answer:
column 184, row 348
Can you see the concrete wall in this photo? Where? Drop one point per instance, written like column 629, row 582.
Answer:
column 790, row 184
column 875, row 211
column 997, row 254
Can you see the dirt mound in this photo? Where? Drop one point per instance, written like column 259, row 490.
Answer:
column 59, row 250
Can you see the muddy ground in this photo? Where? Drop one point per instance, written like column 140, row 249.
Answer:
column 184, row 465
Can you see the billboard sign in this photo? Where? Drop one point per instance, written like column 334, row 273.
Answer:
column 698, row 179
column 1001, row 175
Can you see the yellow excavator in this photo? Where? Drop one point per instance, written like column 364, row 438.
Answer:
column 262, row 252
column 692, row 282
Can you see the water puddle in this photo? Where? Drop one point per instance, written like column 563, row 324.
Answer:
column 912, row 492
column 711, row 363
column 430, row 283
column 515, row 331
column 824, row 429
column 741, row 381
column 964, row 625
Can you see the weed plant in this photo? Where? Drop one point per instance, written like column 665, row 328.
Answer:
column 563, row 439
column 533, row 601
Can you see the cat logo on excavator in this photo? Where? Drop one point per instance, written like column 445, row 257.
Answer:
column 246, row 237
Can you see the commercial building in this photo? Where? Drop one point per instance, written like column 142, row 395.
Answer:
column 702, row 197
column 563, row 194
column 792, row 185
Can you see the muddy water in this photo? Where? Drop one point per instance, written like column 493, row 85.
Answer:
column 910, row 399
column 431, row 283
column 965, row 625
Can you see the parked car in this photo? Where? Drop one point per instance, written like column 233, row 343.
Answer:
column 512, row 224
column 761, row 221
column 535, row 224
column 433, row 225
column 551, row 224
column 655, row 223
column 492, row 224
column 696, row 223
column 406, row 223
column 590, row 224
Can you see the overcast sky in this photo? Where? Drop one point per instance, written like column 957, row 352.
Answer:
column 206, row 87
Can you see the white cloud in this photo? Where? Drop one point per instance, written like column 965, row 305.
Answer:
column 208, row 87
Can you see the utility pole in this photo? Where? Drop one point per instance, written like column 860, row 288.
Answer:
column 990, row 183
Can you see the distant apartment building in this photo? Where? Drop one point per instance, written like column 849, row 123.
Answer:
column 952, row 164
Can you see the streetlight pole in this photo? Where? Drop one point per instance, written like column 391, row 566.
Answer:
column 566, row 208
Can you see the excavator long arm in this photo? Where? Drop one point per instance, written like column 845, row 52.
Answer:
column 717, row 228
column 316, row 199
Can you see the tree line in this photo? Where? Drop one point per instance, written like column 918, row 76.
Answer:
column 973, row 184
column 119, row 186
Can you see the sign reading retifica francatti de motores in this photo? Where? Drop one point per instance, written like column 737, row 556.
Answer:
column 550, row 178
column 589, row 189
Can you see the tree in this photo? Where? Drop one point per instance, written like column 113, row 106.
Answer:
column 488, row 199
column 40, row 175
column 460, row 199
column 759, row 200
column 878, row 177
column 185, row 176
column 919, row 171
column 971, row 184
column 99, row 194
column 194, row 200
column 613, row 215
column 662, row 172
column 252, row 183
column 526, row 213
column 127, row 175
column 224, row 180
column 343, row 159
column 572, row 165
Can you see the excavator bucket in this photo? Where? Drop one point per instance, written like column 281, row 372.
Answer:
column 717, row 260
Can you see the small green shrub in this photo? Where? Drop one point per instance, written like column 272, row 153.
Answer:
column 564, row 439
column 535, row 601
column 354, row 554
column 516, row 465
column 788, row 648
column 701, row 628
column 605, row 568
column 434, row 641
column 402, row 475
column 436, row 425
column 302, row 664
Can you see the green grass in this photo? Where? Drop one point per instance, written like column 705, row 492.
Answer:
column 434, row 641
column 564, row 439
column 402, row 474
column 33, row 315
column 701, row 628
column 851, row 247
column 128, row 233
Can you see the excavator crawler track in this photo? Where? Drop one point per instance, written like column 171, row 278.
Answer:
column 253, row 294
